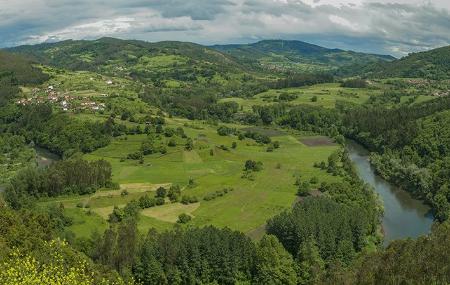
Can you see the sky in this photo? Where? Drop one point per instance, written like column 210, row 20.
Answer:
column 395, row 27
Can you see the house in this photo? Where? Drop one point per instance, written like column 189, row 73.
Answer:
column 109, row 82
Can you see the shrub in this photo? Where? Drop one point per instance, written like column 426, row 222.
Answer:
column 251, row 165
column 161, row 192
column 314, row 180
column 172, row 142
column 303, row 189
column 184, row 218
column 160, row 201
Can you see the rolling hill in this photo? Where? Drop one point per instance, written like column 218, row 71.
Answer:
column 285, row 55
column 180, row 61
column 433, row 64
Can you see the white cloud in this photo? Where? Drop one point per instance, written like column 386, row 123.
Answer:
column 385, row 26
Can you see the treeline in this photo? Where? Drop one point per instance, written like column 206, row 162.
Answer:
column 59, row 132
column 75, row 176
column 193, row 103
column 412, row 145
column 421, row 261
column 299, row 80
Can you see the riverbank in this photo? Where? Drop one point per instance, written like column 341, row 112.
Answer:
column 404, row 216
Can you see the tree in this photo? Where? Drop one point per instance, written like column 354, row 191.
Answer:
column 161, row 192
column 274, row 265
column 172, row 142
column 303, row 189
column 174, row 193
column 189, row 144
column 251, row 165
column 184, row 218
column 310, row 264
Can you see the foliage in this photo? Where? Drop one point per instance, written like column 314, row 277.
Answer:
column 274, row 265
column 75, row 176
column 330, row 223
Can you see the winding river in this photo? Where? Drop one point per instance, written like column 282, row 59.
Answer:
column 404, row 216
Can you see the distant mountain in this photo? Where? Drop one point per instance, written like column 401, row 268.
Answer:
column 148, row 61
column 297, row 55
column 433, row 64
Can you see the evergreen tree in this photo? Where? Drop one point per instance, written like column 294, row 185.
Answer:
column 274, row 265
column 310, row 263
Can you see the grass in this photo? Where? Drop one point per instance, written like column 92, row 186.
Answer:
column 170, row 212
column 84, row 224
column 327, row 96
column 245, row 208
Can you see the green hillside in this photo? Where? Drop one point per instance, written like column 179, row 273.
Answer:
column 297, row 55
column 181, row 61
column 433, row 64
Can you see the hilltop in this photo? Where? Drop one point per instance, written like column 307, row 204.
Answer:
column 433, row 64
column 298, row 55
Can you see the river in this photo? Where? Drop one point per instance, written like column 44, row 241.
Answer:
column 44, row 157
column 404, row 216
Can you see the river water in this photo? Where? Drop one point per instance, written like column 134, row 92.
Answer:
column 404, row 216
column 44, row 157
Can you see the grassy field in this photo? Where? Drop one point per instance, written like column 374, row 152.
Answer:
column 245, row 208
column 327, row 95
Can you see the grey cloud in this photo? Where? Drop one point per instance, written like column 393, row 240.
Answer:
column 376, row 26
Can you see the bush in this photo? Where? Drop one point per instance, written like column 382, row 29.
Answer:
column 136, row 155
column 161, row 192
column 184, row 218
column 314, row 180
column 146, row 202
column 303, row 189
column 251, row 165
column 172, row 142
column 174, row 193
column 160, row 201
column 188, row 199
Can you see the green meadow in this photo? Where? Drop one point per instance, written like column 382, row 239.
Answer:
column 327, row 96
column 212, row 167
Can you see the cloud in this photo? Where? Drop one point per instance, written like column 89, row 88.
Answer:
column 384, row 26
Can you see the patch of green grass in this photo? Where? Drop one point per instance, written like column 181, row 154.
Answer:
column 327, row 96
column 84, row 223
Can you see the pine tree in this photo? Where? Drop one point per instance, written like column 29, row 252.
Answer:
column 310, row 263
column 274, row 265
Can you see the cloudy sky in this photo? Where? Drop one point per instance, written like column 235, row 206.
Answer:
column 394, row 27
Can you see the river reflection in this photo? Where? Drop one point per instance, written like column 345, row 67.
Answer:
column 404, row 216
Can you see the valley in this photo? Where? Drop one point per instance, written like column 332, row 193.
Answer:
column 138, row 153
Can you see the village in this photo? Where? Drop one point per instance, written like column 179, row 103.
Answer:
column 63, row 101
